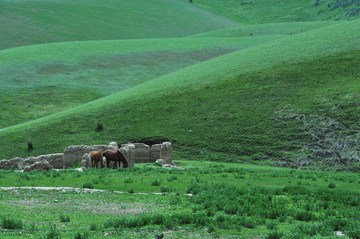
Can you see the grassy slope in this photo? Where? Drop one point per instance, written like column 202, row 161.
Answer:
column 43, row 79
column 73, row 73
column 226, row 105
column 269, row 11
column 47, row 21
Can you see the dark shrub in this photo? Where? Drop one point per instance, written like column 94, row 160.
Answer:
column 64, row 218
column 99, row 127
column 11, row 224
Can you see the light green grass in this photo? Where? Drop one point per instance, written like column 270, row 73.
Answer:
column 247, row 200
column 267, row 30
column 222, row 108
column 37, row 22
column 43, row 79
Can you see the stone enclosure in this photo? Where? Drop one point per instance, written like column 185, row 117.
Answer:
column 134, row 153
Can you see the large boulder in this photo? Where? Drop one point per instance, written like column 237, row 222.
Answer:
column 42, row 165
column 15, row 163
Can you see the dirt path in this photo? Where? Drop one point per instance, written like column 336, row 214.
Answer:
column 64, row 189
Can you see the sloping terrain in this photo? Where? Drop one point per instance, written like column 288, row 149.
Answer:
column 43, row 79
column 226, row 108
column 36, row 22
column 269, row 11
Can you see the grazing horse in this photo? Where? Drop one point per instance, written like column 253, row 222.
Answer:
column 96, row 157
column 116, row 156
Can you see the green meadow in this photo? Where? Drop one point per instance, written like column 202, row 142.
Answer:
column 199, row 200
column 260, row 100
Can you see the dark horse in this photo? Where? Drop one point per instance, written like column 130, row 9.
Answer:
column 116, row 156
column 96, row 157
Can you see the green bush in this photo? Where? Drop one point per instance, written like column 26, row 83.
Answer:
column 274, row 235
column 128, row 180
column 53, row 233
column 84, row 235
column 8, row 223
column 332, row 185
column 64, row 218
column 88, row 185
column 156, row 182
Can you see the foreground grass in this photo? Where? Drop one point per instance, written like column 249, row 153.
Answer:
column 230, row 200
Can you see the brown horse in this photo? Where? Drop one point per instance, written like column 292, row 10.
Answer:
column 96, row 157
column 116, row 156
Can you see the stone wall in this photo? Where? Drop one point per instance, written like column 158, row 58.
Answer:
column 134, row 153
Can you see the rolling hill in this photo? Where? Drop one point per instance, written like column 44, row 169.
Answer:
column 246, row 105
column 36, row 22
column 230, row 88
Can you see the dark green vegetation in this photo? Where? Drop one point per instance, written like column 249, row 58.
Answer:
column 229, row 200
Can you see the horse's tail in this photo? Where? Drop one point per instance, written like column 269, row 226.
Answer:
column 124, row 160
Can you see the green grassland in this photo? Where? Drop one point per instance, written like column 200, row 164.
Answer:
column 229, row 200
column 43, row 79
column 239, row 96
column 269, row 11
column 236, row 86
column 36, row 22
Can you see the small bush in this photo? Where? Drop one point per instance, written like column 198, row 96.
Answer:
column 80, row 235
column 274, row 235
column 93, row 227
column 131, row 190
column 88, row 185
column 64, row 218
column 11, row 224
column 53, row 233
column 30, row 146
column 128, row 180
column 332, row 185
column 165, row 189
column 172, row 178
column 99, row 127
column 156, row 182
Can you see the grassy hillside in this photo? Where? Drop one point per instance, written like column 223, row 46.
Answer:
column 269, row 11
column 245, row 105
column 48, row 21
column 43, row 79
column 73, row 73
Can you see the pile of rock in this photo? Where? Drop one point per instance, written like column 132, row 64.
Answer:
column 134, row 153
